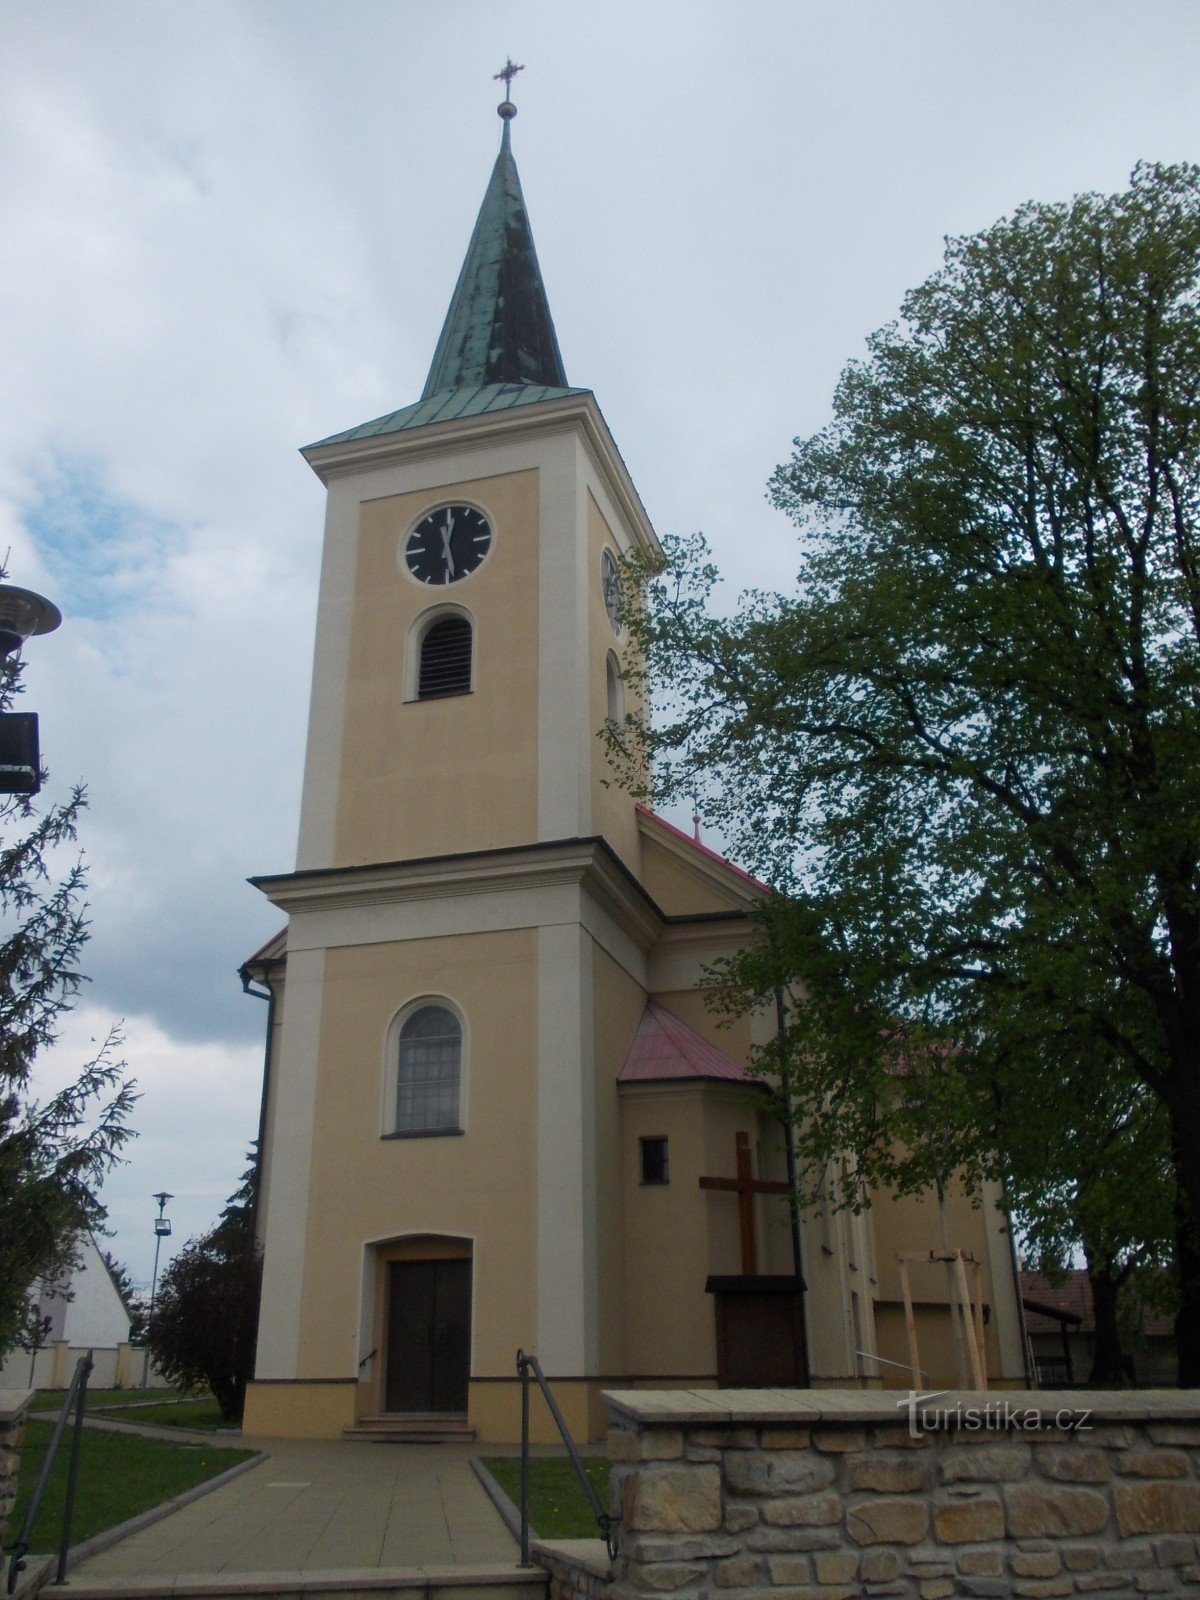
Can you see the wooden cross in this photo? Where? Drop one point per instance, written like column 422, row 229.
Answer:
column 745, row 1186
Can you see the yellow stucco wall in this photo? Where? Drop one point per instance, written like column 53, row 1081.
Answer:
column 479, row 1186
column 439, row 776
column 614, row 811
column 912, row 1225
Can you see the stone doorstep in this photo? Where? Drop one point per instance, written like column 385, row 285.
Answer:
column 482, row 1582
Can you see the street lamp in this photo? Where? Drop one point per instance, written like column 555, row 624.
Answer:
column 162, row 1230
column 22, row 614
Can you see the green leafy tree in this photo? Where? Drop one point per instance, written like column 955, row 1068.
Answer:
column 205, row 1319
column 53, row 1153
column 967, row 750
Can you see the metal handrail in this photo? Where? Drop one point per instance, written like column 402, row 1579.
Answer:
column 78, row 1393
column 527, row 1366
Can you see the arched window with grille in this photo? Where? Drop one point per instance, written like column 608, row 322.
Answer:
column 444, row 658
column 428, row 1047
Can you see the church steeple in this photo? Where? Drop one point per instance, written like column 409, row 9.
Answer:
column 498, row 328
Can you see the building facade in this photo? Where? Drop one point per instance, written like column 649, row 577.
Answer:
column 493, row 1085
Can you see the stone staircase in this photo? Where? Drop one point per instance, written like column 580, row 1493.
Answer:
column 432, row 1428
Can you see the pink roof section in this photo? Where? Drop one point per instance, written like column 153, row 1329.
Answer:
column 703, row 849
column 664, row 1048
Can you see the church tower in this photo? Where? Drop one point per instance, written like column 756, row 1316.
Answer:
column 492, row 1086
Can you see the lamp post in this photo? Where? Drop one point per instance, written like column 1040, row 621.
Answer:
column 162, row 1230
column 22, row 614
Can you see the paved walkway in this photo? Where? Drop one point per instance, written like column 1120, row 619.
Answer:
column 319, row 1506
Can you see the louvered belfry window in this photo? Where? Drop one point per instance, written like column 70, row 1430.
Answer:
column 445, row 659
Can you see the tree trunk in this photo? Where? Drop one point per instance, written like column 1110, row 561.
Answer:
column 1185, row 1153
column 1108, row 1366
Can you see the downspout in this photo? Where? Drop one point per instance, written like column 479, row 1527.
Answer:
column 267, row 994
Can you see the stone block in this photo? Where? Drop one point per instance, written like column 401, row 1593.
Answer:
column 895, row 1436
column 1176, row 1433
column 1081, row 1557
column 983, row 1586
column 1157, row 1507
column 672, row 1500
column 785, row 1438
column 835, row 1566
column 888, row 1521
column 772, row 1472
column 655, row 1547
column 789, row 1569
column 739, row 1518
column 804, row 1510
column 1129, row 1556
column 1103, row 1583
column 1155, row 1583
column 981, row 1563
column 970, row 1521
column 935, row 1588
column 725, row 1438
column 1072, row 1464
column 1046, row 1509
column 1173, row 1549
column 701, row 1452
column 839, row 1441
column 654, row 1444
column 740, row 1572
column 888, row 1474
column 986, row 1463
column 1038, row 1587
column 791, row 1539
column 879, row 1566
column 1036, row 1564
column 1152, row 1464
column 668, row 1576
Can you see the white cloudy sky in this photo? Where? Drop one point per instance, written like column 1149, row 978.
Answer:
column 230, row 227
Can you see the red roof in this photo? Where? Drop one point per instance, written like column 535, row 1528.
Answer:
column 664, row 1048
column 1073, row 1295
column 703, row 849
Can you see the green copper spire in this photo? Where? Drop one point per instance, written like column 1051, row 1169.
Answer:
column 498, row 328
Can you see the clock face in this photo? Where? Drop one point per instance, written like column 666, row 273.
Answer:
column 447, row 544
column 610, row 580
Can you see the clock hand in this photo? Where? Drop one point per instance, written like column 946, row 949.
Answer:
column 446, row 532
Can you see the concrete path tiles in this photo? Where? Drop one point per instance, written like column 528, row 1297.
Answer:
column 320, row 1507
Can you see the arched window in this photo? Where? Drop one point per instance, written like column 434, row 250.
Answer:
column 445, row 660
column 614, row 690
column 428, row 1070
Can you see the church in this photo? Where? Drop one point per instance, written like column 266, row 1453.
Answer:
column 497, row 1112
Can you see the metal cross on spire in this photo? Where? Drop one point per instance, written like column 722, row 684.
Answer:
column 508, row 73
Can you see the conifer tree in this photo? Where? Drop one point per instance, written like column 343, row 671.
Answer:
column 54, row 1151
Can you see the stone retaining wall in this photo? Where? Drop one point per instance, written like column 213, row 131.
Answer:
column 832, row 1496
column 13, row 1405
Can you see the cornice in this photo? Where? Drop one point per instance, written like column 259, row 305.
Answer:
column 588, row 864
column 332, row 461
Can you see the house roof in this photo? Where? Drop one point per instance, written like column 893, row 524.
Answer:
column 704, row 852
column 447, row 405
column 664, row 1049
column 1049, row 1305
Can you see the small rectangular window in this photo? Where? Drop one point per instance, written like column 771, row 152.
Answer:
column 654, row 1161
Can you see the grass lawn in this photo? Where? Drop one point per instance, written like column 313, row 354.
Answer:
column 197, row 1413
column 557, row 1507
column 52, row 1399
column 119, row 1475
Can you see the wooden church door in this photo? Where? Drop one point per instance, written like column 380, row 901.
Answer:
column 429, row 1336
